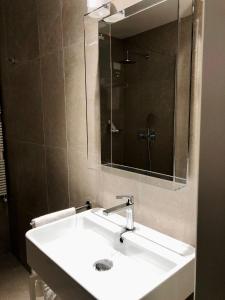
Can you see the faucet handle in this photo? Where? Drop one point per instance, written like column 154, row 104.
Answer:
column 130, row 198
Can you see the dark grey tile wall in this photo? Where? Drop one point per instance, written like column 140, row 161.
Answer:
column 4, row 229
column 43, row 105
column 23, row 106
column 22, row 26
column 57, row 177
column 53, row 99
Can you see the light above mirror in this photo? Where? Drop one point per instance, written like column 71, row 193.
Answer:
column 95, row 4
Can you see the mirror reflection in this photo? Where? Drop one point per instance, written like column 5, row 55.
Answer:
column 144, row 89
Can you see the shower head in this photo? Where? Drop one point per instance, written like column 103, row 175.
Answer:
column 127, row 60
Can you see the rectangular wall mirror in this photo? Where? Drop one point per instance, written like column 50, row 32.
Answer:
column 144, row 68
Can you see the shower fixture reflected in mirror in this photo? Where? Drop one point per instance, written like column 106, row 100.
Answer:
column 129, row 61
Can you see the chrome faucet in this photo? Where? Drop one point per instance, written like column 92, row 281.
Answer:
column 128, row 206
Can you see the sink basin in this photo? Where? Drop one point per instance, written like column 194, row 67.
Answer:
column 81, row 257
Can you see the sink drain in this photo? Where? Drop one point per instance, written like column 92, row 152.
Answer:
column 103, row 265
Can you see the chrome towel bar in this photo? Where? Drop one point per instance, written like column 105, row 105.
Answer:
column 88, row 205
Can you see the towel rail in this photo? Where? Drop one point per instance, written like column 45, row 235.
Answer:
column 88, row 205
column 51, row 217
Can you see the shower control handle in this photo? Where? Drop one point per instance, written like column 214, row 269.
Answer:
column 148, row 134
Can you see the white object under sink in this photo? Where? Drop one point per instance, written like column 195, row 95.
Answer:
column 147, row 265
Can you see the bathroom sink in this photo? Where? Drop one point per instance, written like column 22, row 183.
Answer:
column 81, row 257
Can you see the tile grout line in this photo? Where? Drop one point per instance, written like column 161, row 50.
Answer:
column 40, row 56
column 65, row 107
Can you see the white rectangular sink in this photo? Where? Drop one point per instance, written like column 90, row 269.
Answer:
column 147, row 265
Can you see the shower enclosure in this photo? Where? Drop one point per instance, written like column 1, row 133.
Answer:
column 143, row 97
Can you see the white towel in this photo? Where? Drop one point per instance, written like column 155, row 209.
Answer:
column 53, row 217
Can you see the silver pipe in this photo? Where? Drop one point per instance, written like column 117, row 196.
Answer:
column 88, row 205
